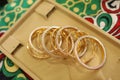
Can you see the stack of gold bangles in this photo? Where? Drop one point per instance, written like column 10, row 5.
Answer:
column 66, row 42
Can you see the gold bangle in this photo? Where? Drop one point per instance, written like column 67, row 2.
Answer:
column 103, row 53
column 50, row 52
column 75, row 36
column 33, row 48
column 35, row 54
column 65, row 32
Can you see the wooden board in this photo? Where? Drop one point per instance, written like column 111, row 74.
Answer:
column 48, row 13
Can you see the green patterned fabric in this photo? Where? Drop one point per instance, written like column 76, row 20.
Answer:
column 102, row 13
column 82, row 7
column 12, row 12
